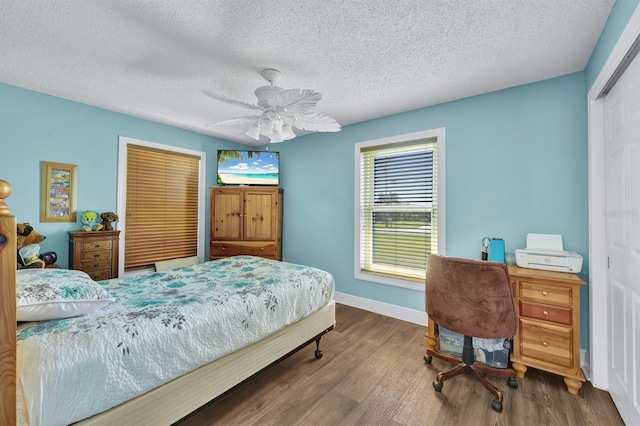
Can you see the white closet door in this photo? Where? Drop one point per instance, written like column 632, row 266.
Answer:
column 622, row 150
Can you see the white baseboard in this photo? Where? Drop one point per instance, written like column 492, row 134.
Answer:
column 418, row 317
column 393, row 311
column 585, row 364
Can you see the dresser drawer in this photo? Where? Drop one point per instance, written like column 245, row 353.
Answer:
column 558, row 314
column 546, row 342
column 96, row 265
column 545, row 293
column 97, row 245
column 100, row 275
column 231, row 249
column 95, row 255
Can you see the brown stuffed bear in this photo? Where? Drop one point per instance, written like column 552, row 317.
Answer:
column 107, row 218
column 26, row 235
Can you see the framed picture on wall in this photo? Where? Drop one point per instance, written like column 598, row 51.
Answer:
column 58, row 202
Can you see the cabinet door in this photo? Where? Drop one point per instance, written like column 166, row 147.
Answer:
column 226, row 213
column 260, row 215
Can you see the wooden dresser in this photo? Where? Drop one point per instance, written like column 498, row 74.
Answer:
column 95, row 252
column 246, row 220
column 548, row 334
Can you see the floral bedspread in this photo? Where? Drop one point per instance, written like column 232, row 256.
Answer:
column 160, row 327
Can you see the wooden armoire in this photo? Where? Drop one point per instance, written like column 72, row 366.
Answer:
column 246, row 220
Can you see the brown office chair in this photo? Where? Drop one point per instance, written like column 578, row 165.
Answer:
column 473, row 298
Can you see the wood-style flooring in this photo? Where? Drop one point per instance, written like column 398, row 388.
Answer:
column 373, row 373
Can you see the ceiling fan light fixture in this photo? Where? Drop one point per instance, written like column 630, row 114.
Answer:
column 277, row 135
column 266, row 127
column 254, row 131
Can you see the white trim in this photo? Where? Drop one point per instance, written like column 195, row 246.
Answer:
column 617, row 55
column 123, row 142
column 599, row 350
column 386, row 309
column 440, row 135
column 584, row 363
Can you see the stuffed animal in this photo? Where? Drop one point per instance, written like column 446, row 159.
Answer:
column 28, row 247
column 26, row 235
column 29, row 257
column 107, row 218
column 90, row 220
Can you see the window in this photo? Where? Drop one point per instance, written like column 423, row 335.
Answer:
column 399, row 207
column 160, row 195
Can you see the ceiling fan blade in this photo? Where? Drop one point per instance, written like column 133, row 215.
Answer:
column 315, row 122
column 295, row 101
column 235, row 121
column 223, row 98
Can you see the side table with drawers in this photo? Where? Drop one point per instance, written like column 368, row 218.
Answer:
column 94, row 252
column 548, row 334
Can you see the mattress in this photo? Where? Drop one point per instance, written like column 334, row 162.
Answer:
column 160, row 327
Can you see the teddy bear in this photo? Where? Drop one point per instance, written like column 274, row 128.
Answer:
column 26, row 235
column 90, row 220
column 107, row 218
column 28, row 246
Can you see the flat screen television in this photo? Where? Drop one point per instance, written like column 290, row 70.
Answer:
column 248, row 168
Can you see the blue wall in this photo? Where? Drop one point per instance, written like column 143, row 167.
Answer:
column 36, row 127
column 516, row 162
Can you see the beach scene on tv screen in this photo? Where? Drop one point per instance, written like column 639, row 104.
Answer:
column 248, row 168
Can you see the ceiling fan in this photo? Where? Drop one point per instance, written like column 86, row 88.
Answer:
column 281, row 110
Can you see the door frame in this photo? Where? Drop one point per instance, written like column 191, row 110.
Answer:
column 121, row 202
column 598, row 296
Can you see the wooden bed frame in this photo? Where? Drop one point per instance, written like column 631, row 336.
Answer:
column 171, row 401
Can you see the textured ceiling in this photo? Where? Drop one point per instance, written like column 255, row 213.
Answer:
column 368, row 58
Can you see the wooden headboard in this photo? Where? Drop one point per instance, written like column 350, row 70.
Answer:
column 8, row 259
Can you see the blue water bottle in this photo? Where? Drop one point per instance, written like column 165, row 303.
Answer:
column 496, row 252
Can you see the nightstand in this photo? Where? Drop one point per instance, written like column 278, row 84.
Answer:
column 95, row 252
column 548, row 335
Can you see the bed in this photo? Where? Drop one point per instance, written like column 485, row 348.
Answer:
column 162, row 346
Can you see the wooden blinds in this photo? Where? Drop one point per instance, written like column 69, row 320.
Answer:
column 161, row 207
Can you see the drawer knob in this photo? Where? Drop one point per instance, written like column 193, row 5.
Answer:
column 96, row 256
column 545, row 344
column 544, row 293
column 262, row 248
column 545, row 313
column 97, row 246
column 224, row 248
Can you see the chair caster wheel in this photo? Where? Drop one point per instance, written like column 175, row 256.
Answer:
column 437, row 386
column 496, row 405
column 428, row 359
column 318, row 354
column 512, row 382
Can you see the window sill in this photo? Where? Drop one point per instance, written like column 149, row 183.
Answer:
column 381, row 279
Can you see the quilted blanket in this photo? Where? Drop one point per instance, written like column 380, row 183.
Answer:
column 159, row 327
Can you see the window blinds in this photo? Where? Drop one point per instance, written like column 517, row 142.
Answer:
column 161, row 207
column 398, row 208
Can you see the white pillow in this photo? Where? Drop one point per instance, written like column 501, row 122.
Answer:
column 47, row 293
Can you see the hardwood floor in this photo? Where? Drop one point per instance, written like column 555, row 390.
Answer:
column 373, row 373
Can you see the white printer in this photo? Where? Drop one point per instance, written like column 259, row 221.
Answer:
column 545, row 251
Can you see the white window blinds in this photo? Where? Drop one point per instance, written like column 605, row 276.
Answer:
column 398, row 208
